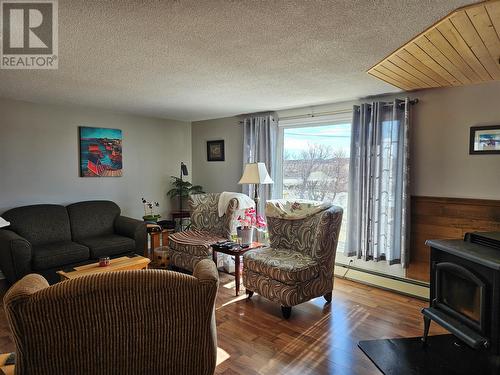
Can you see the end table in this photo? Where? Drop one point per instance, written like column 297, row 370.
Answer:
column 237, row 252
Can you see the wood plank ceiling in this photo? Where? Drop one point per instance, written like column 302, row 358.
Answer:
column 463, row 48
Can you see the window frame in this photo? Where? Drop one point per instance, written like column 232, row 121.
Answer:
column 331, row 118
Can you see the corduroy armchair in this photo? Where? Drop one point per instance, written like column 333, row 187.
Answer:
column 128, row 322
column 298, row 266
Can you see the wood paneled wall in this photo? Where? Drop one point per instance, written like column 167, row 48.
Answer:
column 442, row 218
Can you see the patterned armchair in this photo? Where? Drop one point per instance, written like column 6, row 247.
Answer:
column 298, row 266
column 189, row 247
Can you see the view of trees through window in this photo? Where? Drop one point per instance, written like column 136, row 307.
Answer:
column 316, row 166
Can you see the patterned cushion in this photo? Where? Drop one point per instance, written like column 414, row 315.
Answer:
column 205, row 214
column 194, row 242
column 283, row 265
column 296, row 209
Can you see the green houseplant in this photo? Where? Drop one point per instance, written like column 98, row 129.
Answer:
column 183, row 189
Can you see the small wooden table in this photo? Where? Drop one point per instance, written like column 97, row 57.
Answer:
column 117, row 264
column 237, row 253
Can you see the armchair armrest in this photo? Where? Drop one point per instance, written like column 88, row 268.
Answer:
column 23, row 289
column 132, row 228
column 15, row 255
column 206, row 272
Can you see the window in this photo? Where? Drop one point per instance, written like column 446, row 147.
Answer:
column 315, row 164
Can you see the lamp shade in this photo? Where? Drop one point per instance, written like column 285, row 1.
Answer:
column 255, row 173
column 3, row 223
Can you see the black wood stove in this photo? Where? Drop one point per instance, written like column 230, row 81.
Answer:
column 465, row 289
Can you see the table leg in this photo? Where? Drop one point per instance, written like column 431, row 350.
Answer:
column 237, row 273
column 155, row 240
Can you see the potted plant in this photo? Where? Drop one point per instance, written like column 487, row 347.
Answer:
column 149, row 210
column 183, row 189
column 247, row 223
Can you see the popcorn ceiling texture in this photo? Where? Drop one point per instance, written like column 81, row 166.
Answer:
column 194, row 60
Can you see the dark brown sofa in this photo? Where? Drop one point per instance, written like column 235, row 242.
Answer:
column 46, row 238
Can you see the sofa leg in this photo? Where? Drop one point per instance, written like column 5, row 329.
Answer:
column 286, row 311
column 249, row 293
column 328, row 297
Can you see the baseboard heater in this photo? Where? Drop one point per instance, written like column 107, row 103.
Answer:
column 401, row 285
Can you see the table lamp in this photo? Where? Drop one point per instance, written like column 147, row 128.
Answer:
column 3, row 223
column 256, row 173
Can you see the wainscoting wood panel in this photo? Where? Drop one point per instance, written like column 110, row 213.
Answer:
column 462, row 48
column 443, row 218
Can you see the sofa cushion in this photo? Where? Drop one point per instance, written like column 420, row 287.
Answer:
column 40, row 224
column 92, row 218
column 284, row 265
column 58, row 254
column 107, row 245
column 194, row 242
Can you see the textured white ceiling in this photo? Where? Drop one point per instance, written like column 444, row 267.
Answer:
column 193, row 60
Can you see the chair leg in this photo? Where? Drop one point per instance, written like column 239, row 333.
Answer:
column 328, row 297
column 286, row 311
column 427, row 325
column 249, row 293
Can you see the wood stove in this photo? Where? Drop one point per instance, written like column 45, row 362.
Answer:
column 465, row 289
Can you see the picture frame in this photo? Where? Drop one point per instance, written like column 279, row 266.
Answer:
column 215, row 150
column 100, row 152
column 484, row 140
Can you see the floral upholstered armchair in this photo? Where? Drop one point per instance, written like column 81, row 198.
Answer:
column 187, row 248
column 298, row 266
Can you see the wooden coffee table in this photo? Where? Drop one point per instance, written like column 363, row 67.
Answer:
column 237, row 253
column 118, row 264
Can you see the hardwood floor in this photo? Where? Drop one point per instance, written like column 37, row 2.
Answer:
column 319, row 338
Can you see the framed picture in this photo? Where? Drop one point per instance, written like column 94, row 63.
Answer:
column 484, row 139
column 100, row 152
column 215, row 150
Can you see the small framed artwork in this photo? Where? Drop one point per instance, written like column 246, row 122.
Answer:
column 215, row 150
column 100, row 152
column 484, row 140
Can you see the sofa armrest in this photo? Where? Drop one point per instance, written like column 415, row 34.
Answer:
column 15, row 255
column 132, row 228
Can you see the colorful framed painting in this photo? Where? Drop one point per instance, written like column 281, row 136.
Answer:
column 215, row 150
column 484, row 140
column 100, row 152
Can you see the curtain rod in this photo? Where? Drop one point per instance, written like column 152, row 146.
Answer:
column 340, row 111
column 390, row 104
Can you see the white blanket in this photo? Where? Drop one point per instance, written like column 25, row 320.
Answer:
column 244, row 201
column 3, row 223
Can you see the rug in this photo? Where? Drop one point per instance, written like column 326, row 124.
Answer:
column 441, row 356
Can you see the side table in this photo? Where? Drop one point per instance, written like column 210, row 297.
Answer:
column 237, row 252
column 179, row 215
column 157, row 237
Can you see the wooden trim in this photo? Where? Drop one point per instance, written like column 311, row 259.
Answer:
column 463, row 201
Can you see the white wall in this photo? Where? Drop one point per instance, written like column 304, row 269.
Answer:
column 39, row 161
column 441, row 164
column 441, row 161
column 217, row 176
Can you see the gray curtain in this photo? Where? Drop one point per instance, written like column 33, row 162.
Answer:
column 260, row 134
column 379, row 181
